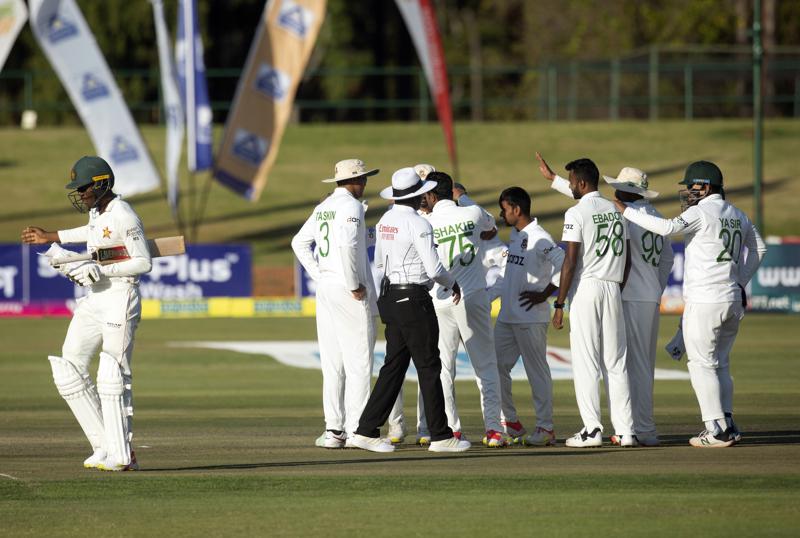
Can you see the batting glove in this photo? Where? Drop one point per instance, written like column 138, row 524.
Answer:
column 86, row 274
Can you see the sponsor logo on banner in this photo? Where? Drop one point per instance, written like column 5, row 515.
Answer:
column 272, row 82
column 122, row 151
column 250, row 147
column 7, row 275
column 306, row 355
column 295, row 18
column 93, row 88
column 59, row 29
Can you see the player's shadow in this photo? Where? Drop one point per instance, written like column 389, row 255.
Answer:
column 499, row 453
column 749, row 438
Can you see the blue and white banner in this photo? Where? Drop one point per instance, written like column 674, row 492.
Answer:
column 204, row 271
column 69, row 45
column 12, row 18
column 172, row 104
column 193, row 87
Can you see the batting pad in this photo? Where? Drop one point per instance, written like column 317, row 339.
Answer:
column 110, row 386
column 81, row 397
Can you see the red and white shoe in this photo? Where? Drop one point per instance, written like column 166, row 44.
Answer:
column 110, row 465
column 494, row 439
column 625, row 441
column 515, row 431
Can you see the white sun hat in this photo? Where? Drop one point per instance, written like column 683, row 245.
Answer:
column 423, row 170
column 406, row 184
column 348, row 169
column 631, row 180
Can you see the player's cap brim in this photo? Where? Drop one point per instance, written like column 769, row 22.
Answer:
column 388, row 192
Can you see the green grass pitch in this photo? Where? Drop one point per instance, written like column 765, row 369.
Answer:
column 230, row 452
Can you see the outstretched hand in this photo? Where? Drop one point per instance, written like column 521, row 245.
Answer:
column 620, row 205
column 33, row 235
column 544, row 168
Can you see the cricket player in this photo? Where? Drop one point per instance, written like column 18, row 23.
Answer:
column 531, row 275
column 651, row 262
column 106, row 318
column 456, row 232
column 595, row 267
column 717, row 269
column 493, row 250
column 345, row 299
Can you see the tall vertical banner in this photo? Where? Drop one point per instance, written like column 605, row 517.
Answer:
column 172, row 104
column 69, row 45
column 421, row 22
column 278, row 56
column 12, row 18
column 193, row 87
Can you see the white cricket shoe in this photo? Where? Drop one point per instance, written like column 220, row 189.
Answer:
column 541, row 437
column 334, row 440
column 373, row 444
column 625, row 441
column 97, row 458
column 320, row 441
column 515, row 431
column 585, row 439
column 454, row 444
column 648, row 439
column 706, row 439
column 112, row 465
column 396, row 435
column 494, row 439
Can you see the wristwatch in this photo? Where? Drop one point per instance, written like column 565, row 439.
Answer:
column 559, row 305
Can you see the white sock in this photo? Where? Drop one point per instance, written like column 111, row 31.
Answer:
column 713, row 427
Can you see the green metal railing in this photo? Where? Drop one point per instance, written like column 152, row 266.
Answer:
column 653, row 83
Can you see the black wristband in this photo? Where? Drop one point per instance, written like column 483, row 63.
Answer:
column 559, row 305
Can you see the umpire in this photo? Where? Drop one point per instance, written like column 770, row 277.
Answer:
column 405, row 251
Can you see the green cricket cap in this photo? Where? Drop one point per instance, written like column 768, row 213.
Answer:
column 88, row 170
column 702, row 172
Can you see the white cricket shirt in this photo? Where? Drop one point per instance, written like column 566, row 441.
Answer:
column 337, row 227
column 404, row 249
column 117, row 225
column 716, row 235
column 595, row 223
column 456, row 232
column 533, row 262
column 493, row 250
column 651, row 259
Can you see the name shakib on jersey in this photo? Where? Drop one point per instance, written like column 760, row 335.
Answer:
column 600, row 218
column 325, row 215
column 453, row 229
column 734, row 224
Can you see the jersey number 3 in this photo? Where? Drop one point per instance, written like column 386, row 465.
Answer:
column 325, row 229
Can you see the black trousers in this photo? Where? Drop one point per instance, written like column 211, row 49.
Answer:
column 412, row 333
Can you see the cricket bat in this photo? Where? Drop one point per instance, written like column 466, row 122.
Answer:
column 160, row 246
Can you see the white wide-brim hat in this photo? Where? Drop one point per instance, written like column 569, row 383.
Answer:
column 423, row 170
column 348, row 169
column 631, row 180
column 406, row 184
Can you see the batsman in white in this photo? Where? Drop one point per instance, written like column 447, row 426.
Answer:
column 595, row 267
column 651, row 262
column 456, row 232
column 716, row 270
column 105, row 318
column 531, row 275
column 345, row 299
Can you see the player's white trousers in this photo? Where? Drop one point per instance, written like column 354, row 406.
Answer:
column 641, row 329
column 346, row 335
column 106, row 320
column 470, row 322
column 529, row 340
column 709, row 331
column 597, row 333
